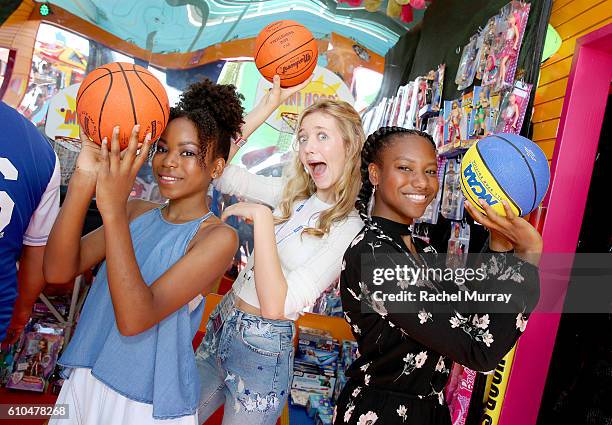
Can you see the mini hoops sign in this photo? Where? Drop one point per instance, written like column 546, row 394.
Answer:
column 62, row 116
column 325, row 84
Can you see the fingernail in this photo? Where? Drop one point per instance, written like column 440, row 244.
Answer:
column 148, row 137
column 104, row 141
column 116, row 129
column 137, row 127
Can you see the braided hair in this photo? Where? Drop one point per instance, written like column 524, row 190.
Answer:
column 374, row 145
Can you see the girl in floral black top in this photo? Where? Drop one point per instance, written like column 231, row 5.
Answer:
column 407, row 347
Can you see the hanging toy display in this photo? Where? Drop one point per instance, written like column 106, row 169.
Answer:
column 513, row 108
column 458, row 245
column 512, row 25
column 452, row 198
column 468, row 64
column 480, row 112
column 490, row 73
column 487, row 39
column 453, row 115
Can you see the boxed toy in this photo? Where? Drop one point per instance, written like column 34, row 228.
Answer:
column 480, row 112
column 453, row 116
column 318, row 403
column 313, row 383
column 511, row 28
column 299, row 397
column 512, row 109
column 323, row 419
column 468, row 64
column 467, row 104
column 452, row 198
column 35, row 361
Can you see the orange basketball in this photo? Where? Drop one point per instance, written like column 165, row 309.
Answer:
column 122, row 94
column 288, row 49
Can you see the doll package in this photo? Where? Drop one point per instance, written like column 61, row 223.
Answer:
column 452, row 198
column 512, row 109
column 35, row 362
column 468, row 63
column 511, row 28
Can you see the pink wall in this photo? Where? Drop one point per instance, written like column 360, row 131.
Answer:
column 572, row 165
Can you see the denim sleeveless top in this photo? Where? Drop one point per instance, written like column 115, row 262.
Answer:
column 156, row 366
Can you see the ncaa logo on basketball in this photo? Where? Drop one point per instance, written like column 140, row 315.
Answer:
column 477, row 187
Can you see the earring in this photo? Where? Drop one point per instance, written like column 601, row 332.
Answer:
column 306, row 169
column 371, row 201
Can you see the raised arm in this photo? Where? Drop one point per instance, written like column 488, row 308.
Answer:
column 266, row 106
column 67, row 254
column 237, row 180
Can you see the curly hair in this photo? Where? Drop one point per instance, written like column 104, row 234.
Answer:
column 371, row 152
column 300, row 184
column 216, row 111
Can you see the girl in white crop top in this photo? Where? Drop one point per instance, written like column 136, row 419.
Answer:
column 246, row 359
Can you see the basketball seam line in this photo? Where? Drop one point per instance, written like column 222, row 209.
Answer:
column 533, row 179
column 495, row 180
column 90, row 84
column 289, row 52
column 152, row 92
column 104, row 103
column 268, row 37
column 127, row 83
column 98, row 78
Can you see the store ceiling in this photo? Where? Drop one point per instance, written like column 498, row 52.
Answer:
column 166, row 26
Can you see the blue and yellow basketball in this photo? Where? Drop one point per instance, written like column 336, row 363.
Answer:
column 505, row 166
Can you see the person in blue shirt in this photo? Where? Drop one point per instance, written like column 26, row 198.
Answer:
column 29, row 204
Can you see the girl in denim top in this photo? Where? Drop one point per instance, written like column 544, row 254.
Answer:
column 131, row 360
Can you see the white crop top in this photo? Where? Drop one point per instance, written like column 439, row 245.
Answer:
column 310, row 264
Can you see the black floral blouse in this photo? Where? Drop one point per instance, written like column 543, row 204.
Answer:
column 405, row 358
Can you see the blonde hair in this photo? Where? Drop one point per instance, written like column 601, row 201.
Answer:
column 300, row 185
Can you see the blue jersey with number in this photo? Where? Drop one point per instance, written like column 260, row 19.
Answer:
column 27, row 164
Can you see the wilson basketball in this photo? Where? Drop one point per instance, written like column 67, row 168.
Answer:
column 122, row 94
column 288, row 49
column 505, row 167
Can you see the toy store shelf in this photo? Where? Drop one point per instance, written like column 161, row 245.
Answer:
column 452, row 150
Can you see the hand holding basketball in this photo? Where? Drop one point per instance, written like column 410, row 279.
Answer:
column 117, row 171
column 88, row 160
column 508, row 229
column 288, row 49
column 121, row 94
